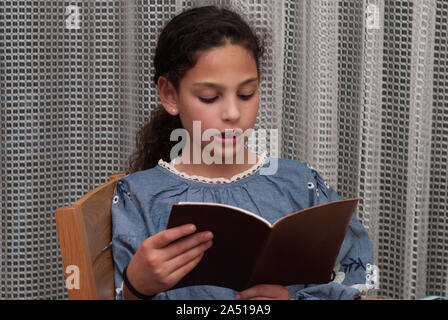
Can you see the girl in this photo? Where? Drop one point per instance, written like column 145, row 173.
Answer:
column 207, row 69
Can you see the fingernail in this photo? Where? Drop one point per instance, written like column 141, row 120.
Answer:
column 208, row 235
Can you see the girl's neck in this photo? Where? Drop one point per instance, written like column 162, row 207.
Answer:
column 213, row 170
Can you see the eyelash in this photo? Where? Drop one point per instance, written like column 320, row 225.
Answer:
column 244, row 97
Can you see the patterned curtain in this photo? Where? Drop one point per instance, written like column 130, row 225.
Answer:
column 356, row 88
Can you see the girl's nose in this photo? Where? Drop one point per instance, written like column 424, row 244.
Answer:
column 231, row 111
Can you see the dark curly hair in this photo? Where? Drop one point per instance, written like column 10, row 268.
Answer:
column 178, row 47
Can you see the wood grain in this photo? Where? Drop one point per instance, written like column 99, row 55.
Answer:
column 84, row 231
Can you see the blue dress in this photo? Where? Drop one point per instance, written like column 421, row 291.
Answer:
column 142, row 203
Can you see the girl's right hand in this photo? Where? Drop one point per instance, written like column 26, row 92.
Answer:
column 162, row 260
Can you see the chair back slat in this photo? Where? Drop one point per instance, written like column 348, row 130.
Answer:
column 85, row 235
column 95, row 209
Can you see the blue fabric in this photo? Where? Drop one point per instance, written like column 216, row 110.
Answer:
column 142, row 203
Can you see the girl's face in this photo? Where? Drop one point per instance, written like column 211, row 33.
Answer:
column 221, row 92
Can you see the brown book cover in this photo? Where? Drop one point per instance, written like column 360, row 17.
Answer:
column 300, row 248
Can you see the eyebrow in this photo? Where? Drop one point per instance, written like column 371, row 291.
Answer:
column 215, row 85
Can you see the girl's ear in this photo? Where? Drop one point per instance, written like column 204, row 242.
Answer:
column 168, row 95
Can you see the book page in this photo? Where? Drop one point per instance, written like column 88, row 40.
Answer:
column 233, row 208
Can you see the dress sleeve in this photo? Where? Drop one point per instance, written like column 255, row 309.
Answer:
column 355, row 257
column 128, row 231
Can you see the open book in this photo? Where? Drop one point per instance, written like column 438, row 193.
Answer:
column 300, row 248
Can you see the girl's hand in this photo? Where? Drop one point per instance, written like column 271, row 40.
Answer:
column 162, row 260
column 264, row 292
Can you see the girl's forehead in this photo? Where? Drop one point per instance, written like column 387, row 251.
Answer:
column 229, row 53
column 231, row 62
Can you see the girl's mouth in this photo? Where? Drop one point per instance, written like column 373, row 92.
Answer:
column 229, row 140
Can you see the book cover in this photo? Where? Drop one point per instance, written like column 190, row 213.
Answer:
column 299, row 248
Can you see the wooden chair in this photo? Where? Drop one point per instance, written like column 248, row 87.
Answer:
column 85, row 235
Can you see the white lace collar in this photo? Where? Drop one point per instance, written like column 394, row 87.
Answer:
column 169, row 166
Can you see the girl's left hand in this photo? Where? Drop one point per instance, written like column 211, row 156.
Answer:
column 264, row 292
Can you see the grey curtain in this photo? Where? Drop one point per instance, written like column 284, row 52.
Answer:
column 356, row 88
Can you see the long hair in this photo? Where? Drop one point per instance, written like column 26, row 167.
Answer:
column 181, row 41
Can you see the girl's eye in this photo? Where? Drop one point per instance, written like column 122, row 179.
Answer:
column 205, row 100
column 211, row 100
column 246, row 97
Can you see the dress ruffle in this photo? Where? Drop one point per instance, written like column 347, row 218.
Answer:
column 169, row 166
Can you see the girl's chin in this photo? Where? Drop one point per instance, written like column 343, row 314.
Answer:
column 230, row 149
column 225, row 152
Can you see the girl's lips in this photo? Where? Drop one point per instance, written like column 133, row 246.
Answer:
column 229, row 140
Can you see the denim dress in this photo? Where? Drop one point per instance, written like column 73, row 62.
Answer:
column 142, row 202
